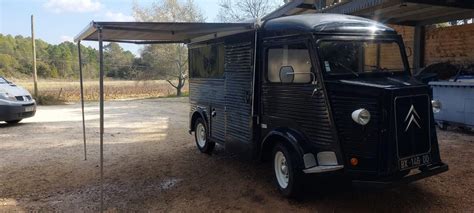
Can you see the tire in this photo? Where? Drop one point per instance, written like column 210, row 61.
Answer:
column 13, row 122
column 287, row 176
column 201, row 136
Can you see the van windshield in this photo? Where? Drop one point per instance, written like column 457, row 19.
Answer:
column 358, row 57
column 3, row 81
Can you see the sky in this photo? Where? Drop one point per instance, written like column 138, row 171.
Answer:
column 61, row 20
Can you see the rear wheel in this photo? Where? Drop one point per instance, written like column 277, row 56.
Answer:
column 201, row 137
column 13, row 122
column 287, row 177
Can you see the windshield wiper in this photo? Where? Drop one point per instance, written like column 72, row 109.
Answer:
column 377, row 68
column 346, row 68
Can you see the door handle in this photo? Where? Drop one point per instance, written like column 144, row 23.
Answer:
column 316, row 91
column 213, row 113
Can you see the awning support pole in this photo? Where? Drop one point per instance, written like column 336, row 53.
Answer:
column 419, row 48
column 101, row 91
column 82, row 98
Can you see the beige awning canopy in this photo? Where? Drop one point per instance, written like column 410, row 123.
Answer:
column 157, row 32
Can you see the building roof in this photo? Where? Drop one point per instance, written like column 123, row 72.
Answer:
column 402, row 12
column 325, row 23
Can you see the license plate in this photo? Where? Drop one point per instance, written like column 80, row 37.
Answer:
column 414, row 162
column 29, row 108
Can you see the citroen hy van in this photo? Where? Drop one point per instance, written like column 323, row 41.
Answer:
column 315, row 94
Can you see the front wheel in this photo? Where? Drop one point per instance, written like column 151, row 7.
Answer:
column 201, row 136
column 287, row 176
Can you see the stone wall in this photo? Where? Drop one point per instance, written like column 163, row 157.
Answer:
column 453, row 44
column 450, row 44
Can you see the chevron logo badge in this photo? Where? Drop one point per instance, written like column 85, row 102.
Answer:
column 412, row 118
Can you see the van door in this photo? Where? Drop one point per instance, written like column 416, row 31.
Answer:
column 238, row 97
column 292, row 95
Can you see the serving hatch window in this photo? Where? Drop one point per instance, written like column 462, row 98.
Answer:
column 346, row 57
column 207, row 61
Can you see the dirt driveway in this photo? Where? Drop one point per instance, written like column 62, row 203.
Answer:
column 151, row 163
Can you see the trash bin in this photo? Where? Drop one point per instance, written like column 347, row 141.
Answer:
column 457, row 102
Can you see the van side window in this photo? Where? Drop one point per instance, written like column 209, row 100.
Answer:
column 294, row 55
column 207, row 61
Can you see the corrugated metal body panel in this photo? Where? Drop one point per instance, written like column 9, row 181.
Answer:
column 209, row 94
column 356, row 139
column 362, row 142
column 238, row 91
column 294, row 102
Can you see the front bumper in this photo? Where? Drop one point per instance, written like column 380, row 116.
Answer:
column 387, row 183
column 17, row 111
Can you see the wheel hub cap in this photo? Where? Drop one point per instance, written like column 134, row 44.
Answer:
column 281, row 169
column 201, row 135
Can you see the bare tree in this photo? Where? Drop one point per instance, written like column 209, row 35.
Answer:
column 168, row 61
column 241, row 10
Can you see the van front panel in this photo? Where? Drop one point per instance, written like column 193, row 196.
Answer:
column 358, row 141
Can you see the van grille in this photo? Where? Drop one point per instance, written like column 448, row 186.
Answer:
column 23, row 98
column 412, row 125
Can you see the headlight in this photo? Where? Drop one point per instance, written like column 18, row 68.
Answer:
column 361, row 116
column 7, row 96
column 436, row 106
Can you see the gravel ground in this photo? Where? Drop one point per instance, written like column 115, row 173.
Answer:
column 151, row 164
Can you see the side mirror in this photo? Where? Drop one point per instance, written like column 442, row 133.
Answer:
column 287, row 74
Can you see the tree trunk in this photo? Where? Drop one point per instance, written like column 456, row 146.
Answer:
column 179, row 87
column 178, row 91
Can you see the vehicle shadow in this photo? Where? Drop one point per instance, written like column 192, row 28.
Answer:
column 337, row 194
column 7, row 125
column 328, row 194
column 182, row 178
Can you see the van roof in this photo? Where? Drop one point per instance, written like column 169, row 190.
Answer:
column 325, row 23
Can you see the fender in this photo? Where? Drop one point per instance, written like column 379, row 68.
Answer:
column 200, row 111
column 288, row 136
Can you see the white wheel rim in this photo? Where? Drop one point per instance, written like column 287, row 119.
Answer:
column 201, row 135
column 281, row 169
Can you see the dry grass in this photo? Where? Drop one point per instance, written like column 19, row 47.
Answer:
column 56, row 92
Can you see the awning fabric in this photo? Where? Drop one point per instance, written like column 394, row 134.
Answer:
column 156, row 32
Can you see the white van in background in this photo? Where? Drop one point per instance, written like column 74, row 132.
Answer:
column 16, row 103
